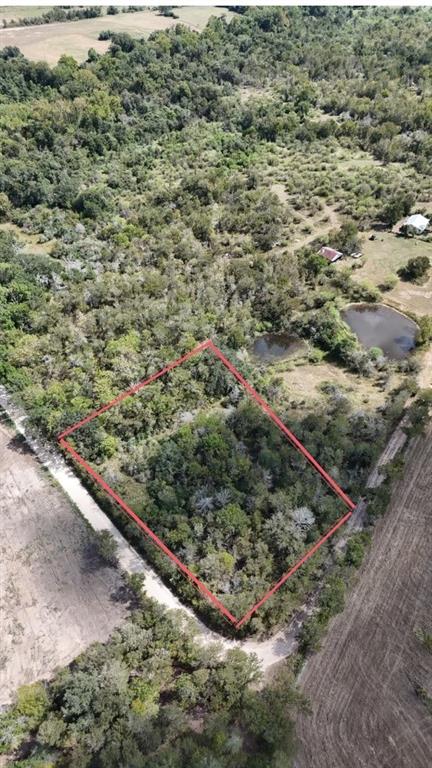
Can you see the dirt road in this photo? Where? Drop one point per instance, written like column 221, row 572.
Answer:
column 321, row 230
column 269, row 651
column 56, row 596
column 424, row 377
column 365, row 710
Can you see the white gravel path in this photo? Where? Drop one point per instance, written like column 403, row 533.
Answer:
column 268, row 651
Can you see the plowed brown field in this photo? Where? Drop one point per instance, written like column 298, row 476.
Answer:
column 365, row 712
column 56, row 596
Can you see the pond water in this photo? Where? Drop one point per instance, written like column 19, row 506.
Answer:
column 378, row 326
column 276, row 346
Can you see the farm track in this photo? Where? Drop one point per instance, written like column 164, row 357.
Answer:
column 269, row 651
column 365, row 713
column 322, row 230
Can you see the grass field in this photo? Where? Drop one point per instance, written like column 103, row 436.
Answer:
column 382, row 259
column 48, row 42
column 305, row 384
column 15, row 12
column 197, row 16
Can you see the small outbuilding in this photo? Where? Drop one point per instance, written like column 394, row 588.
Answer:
column 417, row 223
column 331, row 254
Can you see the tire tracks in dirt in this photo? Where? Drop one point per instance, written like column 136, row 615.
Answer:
column 365, row 712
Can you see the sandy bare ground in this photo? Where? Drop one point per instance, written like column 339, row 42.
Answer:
column 424, row 378
column 361, row 684
column 268, row 651
column 56, row 596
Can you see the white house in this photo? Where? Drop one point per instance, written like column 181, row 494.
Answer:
column 417, row 222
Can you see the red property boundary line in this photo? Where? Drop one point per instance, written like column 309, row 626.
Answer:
column 208, row 344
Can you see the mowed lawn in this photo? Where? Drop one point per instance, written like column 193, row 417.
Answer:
column 47, row 42
column 382, row 259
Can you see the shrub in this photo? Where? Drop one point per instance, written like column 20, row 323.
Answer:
column 415, row 268
column 32, row 702
column 354, row 552
column 425, row 333
column 388, row 283
column 107, row 547
column 310, row 636
column 91, row 203
column 332, row 599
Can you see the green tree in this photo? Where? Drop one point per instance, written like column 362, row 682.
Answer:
column 332, row 598
column 32, row 702
column 92, row 203
column 107, row 547
column 424, row 336
column 354, row 552
column 310, row 635
column 396, row 208
column 415, row 268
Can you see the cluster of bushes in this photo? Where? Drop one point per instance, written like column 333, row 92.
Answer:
column 415, row 269
column 153, row 695
column 54, row 15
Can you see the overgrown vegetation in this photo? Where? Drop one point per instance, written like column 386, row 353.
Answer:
column 154, row 180
column 151, row 170
column 331, row 599
column 218, row 482
column 107, row 547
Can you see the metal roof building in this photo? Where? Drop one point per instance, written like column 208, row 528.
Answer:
column 417, row 222
column 331, row 254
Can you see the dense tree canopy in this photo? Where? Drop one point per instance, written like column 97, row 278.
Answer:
column 142, row 700
column 139, row 215
column 144, row 175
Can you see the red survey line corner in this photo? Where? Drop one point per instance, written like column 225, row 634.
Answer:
column 297, row 444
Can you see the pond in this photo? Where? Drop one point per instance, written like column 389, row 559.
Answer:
column 378, row 326
column 276, row 346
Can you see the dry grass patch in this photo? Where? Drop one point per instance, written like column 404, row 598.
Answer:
column 304, row 383
column 30, row 243
column 48, row 42
column 280, row 192
column 382, row 259
column 15, row 12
